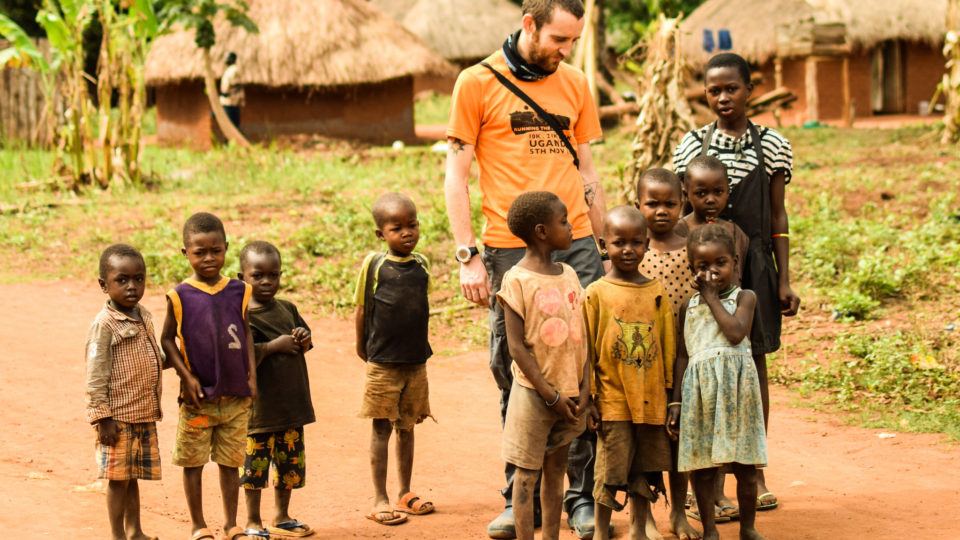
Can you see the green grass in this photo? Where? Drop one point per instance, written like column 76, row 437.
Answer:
column 432, row 109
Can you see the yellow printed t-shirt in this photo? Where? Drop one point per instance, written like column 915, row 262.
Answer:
column 516, row 150
column 632, row 345
column 552, row 311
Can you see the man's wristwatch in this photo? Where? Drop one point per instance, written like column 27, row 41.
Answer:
column 465, row 253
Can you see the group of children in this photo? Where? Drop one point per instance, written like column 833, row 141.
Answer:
column 244, row 393
column 244, row 390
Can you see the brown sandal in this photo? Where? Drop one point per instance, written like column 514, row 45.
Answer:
column 413, row 504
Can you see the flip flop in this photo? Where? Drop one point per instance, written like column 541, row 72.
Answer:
column 256, row 533
column 289, row 528
column 395, row 520
column 769, row 505
column 236, row 532
column 694, row 514
column 727, row 510
column 200, row 534
column 413, row 504
column 690, row 501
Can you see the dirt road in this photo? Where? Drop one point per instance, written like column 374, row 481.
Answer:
column 834, row 481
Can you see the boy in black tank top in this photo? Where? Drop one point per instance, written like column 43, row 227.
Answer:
column 392, row 337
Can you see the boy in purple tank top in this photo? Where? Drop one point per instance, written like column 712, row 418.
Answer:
column 207, row 339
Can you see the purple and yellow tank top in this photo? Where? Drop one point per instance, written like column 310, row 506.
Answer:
column 212, row 333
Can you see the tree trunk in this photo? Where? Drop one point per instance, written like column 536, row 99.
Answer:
column 213, row 95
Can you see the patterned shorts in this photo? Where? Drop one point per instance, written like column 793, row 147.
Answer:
column 214, row 432
column 135, row 456
column 285, row 450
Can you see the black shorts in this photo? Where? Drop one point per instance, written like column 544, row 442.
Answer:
column 282, row 448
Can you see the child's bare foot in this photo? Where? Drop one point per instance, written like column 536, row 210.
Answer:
column 750, row 534
column 651, row 528
column 682, row 528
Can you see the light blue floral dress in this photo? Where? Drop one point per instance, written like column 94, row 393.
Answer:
column 721, row 419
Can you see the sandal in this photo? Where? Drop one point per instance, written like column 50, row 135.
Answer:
column 397, row 519
column 291, row 527
column 236, row 532
column 717, row 517
column 767, row 501
column 413, row 504
column 257, row 533
column 201, row 534
column 727, row 510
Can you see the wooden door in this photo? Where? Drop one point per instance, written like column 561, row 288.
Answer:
column 887, row 92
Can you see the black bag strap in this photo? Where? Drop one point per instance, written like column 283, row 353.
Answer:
column 550, row 119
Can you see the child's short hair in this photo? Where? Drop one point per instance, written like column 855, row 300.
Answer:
column 661, row 176
column 118, row 250
column 708, row 163
column 729, row 60
column 708, row 234
column 200, row 223
column 626, row 212
column 386, row 203
column 529, row 210
column 259, row 247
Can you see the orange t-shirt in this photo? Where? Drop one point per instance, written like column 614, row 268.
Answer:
column 516, row 150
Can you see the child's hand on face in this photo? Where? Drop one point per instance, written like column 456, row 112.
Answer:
column 302, row 335
column 707, row 284
column 107, row 432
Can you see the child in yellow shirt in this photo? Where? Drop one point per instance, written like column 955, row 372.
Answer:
column 631, row 344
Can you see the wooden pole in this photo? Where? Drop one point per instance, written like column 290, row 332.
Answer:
column 813, row 96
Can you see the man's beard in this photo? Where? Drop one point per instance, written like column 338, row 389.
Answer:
column 541, row 58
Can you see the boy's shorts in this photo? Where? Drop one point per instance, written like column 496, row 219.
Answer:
column 625, row 451
column 532, row 430
column 135, row 456
column 396, row 392
column 217, row 432
column 285, row 450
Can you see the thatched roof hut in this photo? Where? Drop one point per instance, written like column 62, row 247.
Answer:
column 889, row 60
column 463, row 31
column 868, row 23
column 339, row 68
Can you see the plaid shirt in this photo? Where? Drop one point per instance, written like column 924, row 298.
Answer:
column 123, row 368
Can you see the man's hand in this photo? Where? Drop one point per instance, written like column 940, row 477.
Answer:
column 107, row 432
column 789, row 301
column 474, row 282
column 673, row 422
column 192, row 390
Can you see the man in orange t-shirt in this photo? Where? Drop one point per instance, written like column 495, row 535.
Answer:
column 517, row 151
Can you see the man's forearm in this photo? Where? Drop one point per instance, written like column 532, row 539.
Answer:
column 596, row 207
column 457, row 191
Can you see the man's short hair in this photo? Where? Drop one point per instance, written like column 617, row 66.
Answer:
column 387, row 203
column 542, row 10
column 118, row 250
column 708, row 163
column 529, row 210
column 200, row 223
column 259, row 247
column 661, row 176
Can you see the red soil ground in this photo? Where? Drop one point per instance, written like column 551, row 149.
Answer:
column 834, row 481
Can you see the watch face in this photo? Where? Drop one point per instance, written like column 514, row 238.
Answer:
column 463, row 254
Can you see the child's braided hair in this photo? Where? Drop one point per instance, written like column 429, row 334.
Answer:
column 709, row 234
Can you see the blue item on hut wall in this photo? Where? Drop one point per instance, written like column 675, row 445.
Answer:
column 708, row 40
column 726, row 42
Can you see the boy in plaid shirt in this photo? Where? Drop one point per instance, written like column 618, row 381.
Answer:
column 123, row 388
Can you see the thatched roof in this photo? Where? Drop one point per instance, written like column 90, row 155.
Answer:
column 303, row 43
column 457, row 29
column 753, row 23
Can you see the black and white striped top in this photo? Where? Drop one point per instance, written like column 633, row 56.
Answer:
column 737, row 154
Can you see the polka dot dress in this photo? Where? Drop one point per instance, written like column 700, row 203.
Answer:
column 673, row 270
